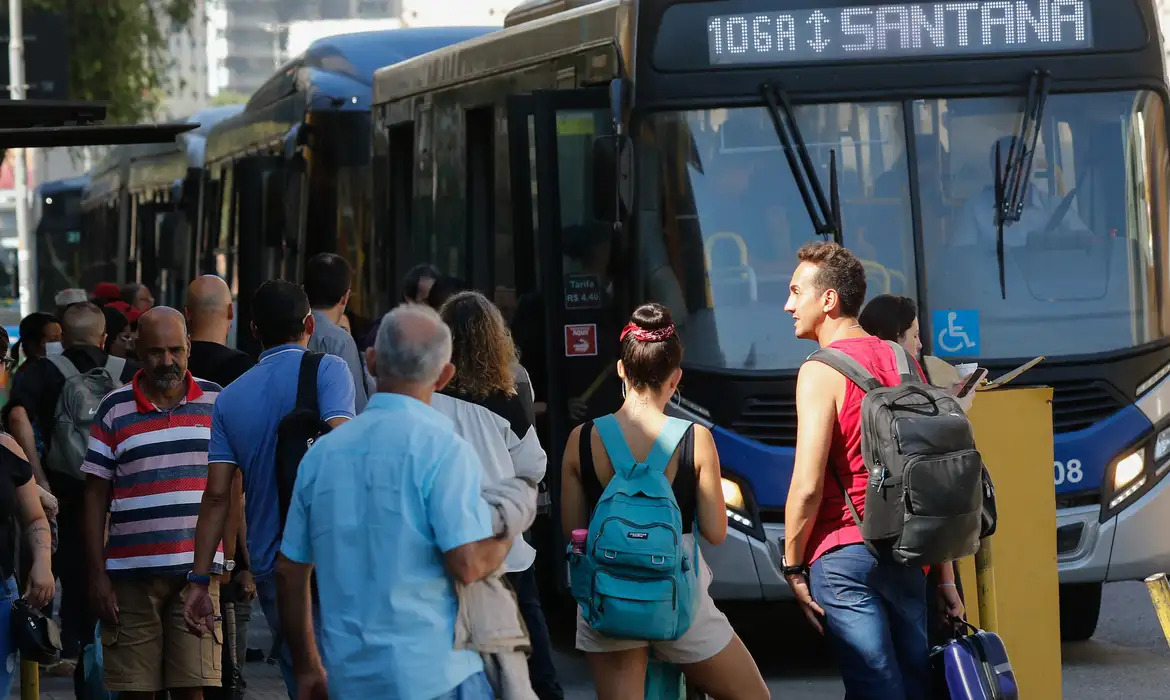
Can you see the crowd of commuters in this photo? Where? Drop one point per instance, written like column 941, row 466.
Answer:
column 401, row 564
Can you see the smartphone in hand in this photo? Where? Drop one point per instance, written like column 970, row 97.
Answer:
column 970, row 383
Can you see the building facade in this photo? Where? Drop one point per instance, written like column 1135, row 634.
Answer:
column 187, row 83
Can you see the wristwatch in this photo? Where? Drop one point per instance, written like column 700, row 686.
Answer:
column 799, row 570
column 200, row 579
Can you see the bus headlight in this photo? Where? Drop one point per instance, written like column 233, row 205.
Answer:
column 741, row 507
column 1162, row 446
column 1129, row 476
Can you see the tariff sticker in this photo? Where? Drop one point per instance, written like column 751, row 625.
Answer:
column 581, row 340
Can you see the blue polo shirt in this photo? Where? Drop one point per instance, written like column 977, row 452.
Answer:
column 377, row 503
column 243, row 432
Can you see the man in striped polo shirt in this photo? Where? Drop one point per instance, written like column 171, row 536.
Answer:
column 147, row 468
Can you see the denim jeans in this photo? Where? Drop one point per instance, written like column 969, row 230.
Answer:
column 875, row 616
column 540, row 664
column 9, row 656
column 476, row 687
column 266, row 593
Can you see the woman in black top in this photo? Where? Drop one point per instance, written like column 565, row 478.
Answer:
column 20, row 508
column 710, row 654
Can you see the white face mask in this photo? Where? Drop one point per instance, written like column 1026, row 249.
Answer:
column 54, row 348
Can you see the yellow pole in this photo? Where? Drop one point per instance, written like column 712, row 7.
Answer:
column 1160, row 596
column 30, row 680
column 985, row 576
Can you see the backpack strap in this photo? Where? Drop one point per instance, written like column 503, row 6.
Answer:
column 666, row 443
column 903, row 361
column 63, row 365
column 849, row 367
column 615, row 445
column 307, row 381
column 115, row 366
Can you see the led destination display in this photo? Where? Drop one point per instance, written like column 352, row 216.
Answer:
column 891, row 31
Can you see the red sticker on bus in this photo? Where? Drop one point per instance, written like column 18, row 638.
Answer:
column 581, row 340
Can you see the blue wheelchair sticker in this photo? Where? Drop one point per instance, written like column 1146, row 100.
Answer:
column 956, row 332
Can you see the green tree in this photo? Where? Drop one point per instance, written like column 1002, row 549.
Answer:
column 228, row 97
column 118, row 51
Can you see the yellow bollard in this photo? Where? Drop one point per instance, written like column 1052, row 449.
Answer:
column 1017, row 585
column 30, row 680
column 1160, row 596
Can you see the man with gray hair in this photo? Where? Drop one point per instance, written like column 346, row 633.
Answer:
column 387, row 510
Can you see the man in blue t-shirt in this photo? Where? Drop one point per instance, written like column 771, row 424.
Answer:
column 243, row 436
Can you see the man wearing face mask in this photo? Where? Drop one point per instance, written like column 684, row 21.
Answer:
column 33, row 401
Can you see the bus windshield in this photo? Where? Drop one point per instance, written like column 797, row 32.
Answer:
column 1082, row 266
column 733, row 219
column 1084, row 255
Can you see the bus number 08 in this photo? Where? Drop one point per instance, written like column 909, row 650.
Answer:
column 1069, row 471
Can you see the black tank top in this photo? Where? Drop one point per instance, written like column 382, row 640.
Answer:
column 684, row 484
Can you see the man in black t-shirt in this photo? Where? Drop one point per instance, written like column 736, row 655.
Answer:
column 209, row 318
column 33, row 402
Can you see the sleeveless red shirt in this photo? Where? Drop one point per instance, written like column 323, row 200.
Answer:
column 834, row 526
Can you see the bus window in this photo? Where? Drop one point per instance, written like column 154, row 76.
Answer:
column 732, row 220
column 1079, row 266
column 401, row 193
column 481, row 199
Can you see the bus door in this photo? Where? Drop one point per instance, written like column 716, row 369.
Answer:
column 571, row 299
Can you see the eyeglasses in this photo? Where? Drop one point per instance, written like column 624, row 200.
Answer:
column 9, row 363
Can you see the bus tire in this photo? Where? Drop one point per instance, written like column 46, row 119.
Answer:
column 1080, row 607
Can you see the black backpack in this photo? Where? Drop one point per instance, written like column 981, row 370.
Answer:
column 924, row 498
column 297, row 431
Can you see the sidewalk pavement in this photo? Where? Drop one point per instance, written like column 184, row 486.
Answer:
column 264, row 679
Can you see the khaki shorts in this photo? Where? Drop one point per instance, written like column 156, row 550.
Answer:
column 710, row 631
column 151, row 648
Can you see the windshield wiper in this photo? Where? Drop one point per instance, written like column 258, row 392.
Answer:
column 825, row 215
column 1012, row 177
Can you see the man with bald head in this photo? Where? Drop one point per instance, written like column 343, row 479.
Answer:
column 387, row 511
column 33, row 400
column 209, row 314
column 146, row 469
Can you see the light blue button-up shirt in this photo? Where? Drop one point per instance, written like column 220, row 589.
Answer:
column 377, row 502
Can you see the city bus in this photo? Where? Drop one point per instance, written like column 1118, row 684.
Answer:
column 1003, row 163
column 57, row 211
column 289, row 176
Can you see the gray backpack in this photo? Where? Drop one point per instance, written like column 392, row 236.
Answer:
column 76, row 408
column 924, row 495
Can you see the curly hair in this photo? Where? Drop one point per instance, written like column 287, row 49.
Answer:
column 482, row 349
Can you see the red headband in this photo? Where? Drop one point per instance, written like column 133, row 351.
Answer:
column 646, row 336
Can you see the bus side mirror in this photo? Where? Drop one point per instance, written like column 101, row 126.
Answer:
column 613, row 178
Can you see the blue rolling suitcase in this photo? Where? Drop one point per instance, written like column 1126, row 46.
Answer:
column 974, row 666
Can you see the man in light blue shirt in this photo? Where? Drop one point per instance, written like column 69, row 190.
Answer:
column 387, row 510
column 243, row 436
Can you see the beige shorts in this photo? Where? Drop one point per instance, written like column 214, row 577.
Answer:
column 709, row 633
column 151, row 649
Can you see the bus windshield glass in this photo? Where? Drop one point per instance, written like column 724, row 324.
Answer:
column 732, row 220
column 1081, row 265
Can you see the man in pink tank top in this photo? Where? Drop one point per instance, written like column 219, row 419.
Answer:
column 873, row 609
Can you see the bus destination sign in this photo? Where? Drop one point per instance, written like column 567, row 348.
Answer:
column 892, row 31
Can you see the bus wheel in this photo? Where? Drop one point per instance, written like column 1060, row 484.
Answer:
column 1080, row 606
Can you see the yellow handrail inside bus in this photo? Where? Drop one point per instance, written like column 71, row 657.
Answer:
column 709, row 244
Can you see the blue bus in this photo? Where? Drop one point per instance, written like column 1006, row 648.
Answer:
column 1003, row 163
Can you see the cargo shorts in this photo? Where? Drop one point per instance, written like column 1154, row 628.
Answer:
column 151, row 648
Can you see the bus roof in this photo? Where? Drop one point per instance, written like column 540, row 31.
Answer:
column 68, row 184
column 333, row 74
column 523, row 42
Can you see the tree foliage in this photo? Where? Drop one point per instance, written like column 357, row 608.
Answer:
column 118, row 51
column 228, row 97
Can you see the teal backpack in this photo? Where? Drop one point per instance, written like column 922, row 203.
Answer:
column 635, row 581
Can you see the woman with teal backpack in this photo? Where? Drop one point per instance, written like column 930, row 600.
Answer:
column 637, row 488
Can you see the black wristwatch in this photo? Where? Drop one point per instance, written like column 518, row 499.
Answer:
column 799, row 570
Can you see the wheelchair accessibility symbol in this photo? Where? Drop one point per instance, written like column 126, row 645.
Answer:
column 956, row 332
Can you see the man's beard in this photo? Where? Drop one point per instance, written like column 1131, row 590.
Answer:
column 168, row 379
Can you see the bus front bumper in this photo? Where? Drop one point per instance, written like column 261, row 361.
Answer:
column 1130, row 546
column 744, row 568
